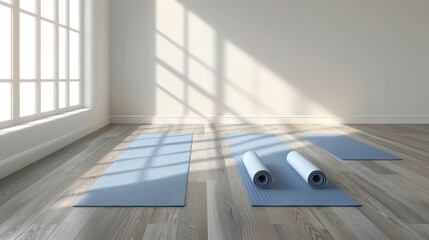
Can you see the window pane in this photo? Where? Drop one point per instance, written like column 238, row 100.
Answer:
column 74, row 95
column 62, row 53
column 47, row 9
column 74, row 14
column 61, row 95
column 29, row 5
column 6, row 1
column 27, row 99
column 27, row 43
column 62, row 12
column 47, row 96
column 5, row 102
column 74, row 55
column 47, row 50
column 5, row 42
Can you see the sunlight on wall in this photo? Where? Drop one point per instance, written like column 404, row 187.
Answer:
column 202, row 88
column 170, row 65
column 169, row 92
column 170, row 54
column 170, row 20
column 201, row 40
column 201, row 63
column 186, row 59
column 252, row 88
column 242, row 81
column 190, row 82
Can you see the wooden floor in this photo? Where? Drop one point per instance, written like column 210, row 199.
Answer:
column 36, row 202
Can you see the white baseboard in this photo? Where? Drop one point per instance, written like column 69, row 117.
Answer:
column 253, row 119
column 21, row 160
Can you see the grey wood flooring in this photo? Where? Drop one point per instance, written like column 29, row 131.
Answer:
column 36, row 202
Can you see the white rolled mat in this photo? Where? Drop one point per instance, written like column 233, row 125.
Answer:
column 308, row 171
column 257, row 171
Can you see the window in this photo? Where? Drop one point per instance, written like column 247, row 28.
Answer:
column 40, row 59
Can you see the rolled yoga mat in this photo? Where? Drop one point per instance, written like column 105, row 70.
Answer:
column 307, row 170
column 257, row 171
column 287, row 188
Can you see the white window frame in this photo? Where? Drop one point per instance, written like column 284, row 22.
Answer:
column 15, row 81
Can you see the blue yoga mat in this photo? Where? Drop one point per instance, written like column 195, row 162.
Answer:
column 287, row 188
column 346, row 148
column 151, row 172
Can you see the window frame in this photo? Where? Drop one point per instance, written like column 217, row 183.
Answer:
column 15, row 80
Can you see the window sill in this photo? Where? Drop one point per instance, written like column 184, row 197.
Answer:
column 35, row 123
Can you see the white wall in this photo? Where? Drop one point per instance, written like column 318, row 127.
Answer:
column 336, row 60
column 25, row 144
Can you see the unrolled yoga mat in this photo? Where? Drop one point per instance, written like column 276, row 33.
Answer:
column 346, row 148
column 287, row 188
column 151, row 172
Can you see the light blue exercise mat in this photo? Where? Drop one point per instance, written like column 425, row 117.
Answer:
column 151, row 172
column 288, row 188
column 346, row 148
